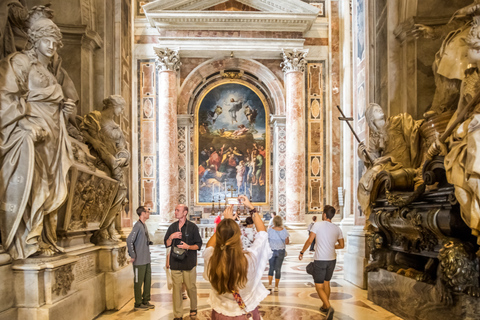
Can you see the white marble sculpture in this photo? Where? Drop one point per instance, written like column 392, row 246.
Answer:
column 394, row 143
column 109, row 145
column 451, row 60
column 462, row 147
column 12, row 21
column 36, row 98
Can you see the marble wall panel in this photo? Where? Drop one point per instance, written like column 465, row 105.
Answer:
column 280, row 147
column 188, row 64
column 274, row 66
column 315, row 115
column 147, row 102
column 183, row 166
column 320, row 4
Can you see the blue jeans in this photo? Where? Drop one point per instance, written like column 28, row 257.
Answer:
column 276, row 262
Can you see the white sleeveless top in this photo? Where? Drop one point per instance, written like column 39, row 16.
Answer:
column 254, row 291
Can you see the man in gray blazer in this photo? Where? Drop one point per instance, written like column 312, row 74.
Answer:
column 138, row 243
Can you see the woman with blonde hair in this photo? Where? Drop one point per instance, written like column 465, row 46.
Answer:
column 235, row 274
column 278, row 238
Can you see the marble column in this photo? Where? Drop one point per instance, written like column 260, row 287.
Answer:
column 168, row 64
column 293, row 65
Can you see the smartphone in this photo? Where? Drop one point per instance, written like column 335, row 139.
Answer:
column 233, row 201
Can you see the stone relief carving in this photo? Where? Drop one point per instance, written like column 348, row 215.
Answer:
column 122, row 256
column 83, row 157
column 92, row 198
column 34, row 139
column 232, row 74
column 63, row 280
column 294, row 60
column 167, row 60
column 108, row 144
column 85, row 267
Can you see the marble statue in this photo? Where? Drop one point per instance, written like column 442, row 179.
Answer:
column 108, row 144
column 462, row 147
column 451, row 60
column 13, row 15
column 36, row 98
column 394, row 143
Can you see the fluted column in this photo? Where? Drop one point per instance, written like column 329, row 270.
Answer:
column 293, row 66
column 168, row 63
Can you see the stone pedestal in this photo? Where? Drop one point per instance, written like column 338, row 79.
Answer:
column 293, row 66
column 7, row 299
column 79, row 285
column 357, row 257
column 413, row 300
column 113, row 261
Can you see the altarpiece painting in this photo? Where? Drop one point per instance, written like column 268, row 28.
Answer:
column 232, row 154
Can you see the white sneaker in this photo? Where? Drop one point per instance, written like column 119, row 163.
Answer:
column 275, row 289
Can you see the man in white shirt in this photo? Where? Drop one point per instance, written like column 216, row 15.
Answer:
column 270, row 223
column 310, row 226
column 328, row 237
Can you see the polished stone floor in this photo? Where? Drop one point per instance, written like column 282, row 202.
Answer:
column 296, row 299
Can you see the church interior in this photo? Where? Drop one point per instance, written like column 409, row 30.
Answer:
column 369, row 106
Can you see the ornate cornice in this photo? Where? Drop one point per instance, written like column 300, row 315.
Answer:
column 286, row 6
column 167, row 60
column 294, row 60
column 212, row 20
column 273, row 15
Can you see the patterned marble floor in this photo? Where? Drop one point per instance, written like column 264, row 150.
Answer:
column 296, row 299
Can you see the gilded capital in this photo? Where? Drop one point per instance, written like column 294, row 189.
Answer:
column 167, row 60
column 294, row 60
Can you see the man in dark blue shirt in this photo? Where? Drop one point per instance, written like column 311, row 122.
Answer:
column 184, row 235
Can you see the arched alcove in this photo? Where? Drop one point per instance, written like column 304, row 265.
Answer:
column 275, row 91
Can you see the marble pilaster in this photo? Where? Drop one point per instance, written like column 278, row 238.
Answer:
column 279, row 154
column 184, row 124
column 293, row 66
column 168, row 64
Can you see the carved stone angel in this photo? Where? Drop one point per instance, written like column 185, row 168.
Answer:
column 108, row 144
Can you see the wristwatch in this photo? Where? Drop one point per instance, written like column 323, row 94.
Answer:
column 301, row 252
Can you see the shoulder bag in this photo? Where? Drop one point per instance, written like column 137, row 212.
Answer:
column 179, row 253
column 241, row 304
